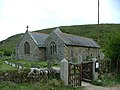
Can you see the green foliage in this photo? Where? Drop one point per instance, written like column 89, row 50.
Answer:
column 5, row 67
column 108, row 80
column 7, row 52
column 10, row 43
column 1, row 53
column 112, row 48
column 36, row 86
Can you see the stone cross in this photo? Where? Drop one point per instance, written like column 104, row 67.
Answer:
column 27, row 27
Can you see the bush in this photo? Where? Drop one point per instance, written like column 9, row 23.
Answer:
column 7, row 53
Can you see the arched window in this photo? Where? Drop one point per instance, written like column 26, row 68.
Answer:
column 53, row 48
column 27, row 48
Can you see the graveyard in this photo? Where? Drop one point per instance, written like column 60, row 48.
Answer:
column 10, row 71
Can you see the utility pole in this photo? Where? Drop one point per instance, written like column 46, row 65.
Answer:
column 98, row 29
column 98, row 12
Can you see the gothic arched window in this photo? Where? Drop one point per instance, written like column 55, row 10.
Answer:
column 53, row 48
column 27, row 48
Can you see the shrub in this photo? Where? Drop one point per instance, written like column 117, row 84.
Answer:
column 7, row 52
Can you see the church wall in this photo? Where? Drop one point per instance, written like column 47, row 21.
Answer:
column 60, row 47
column 72, row 52
column 35, row 52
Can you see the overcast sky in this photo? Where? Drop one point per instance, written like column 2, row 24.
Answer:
column 15, row 15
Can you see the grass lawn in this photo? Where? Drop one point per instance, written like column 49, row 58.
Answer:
column 50, row 85
column 28, row 64
column 6, row 67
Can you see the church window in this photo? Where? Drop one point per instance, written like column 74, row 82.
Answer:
column 27, row 48
column 53, row 48
column 91, row 55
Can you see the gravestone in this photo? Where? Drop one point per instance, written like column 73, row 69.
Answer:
column 49, row 63
column 20, row 67
column 64, row 71
column 13, row 65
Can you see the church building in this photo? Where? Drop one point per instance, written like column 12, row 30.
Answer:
column 57, row 45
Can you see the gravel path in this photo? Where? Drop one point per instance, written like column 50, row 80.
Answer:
column 92, row 87
column 88, row 86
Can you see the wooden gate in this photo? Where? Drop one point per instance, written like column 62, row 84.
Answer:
column 87, row 71
column 74, row 74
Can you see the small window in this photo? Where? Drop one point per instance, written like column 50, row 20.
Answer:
column 27, row 48
column 53, row 48
column 91, row 55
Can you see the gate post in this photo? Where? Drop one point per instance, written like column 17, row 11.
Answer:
column 64, row 71
column 95, row 66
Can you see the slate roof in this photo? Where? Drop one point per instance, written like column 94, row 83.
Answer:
column 68, row 39
column 76, row 40
column 39, row 38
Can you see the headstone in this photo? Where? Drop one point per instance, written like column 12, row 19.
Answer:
column 49, row 64
column 20, row 67
column 64, row 71
column 13, row 65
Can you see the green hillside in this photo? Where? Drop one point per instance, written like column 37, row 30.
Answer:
column 90, row 31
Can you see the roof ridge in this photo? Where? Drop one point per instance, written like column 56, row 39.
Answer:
column 77, row 36
column 40, row 33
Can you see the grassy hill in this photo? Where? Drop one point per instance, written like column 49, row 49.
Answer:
column 90, row 31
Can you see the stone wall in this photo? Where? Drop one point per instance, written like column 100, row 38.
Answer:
column 60, row 47
column 72, row 52
column 36, row 53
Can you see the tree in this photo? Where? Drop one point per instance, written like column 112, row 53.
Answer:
column 112, row 49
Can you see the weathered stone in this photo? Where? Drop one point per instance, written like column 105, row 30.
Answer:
column 49, row 63
column 64, row 71
column 95, row 74
column 36, row 53
column 13, row 65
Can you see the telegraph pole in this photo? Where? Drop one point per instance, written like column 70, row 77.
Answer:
column 98, row 12
column 98, row 29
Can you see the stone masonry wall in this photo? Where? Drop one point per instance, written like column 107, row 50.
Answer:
column 71, row 52
column 60, row 47
column 36, row 53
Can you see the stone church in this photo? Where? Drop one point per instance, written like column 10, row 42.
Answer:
column 57, row 45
